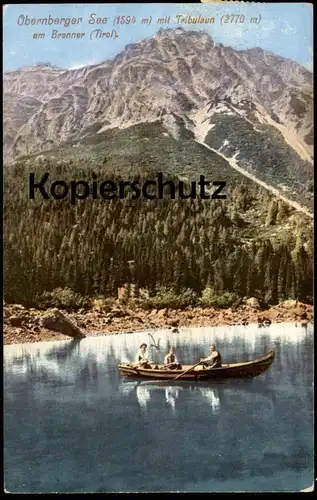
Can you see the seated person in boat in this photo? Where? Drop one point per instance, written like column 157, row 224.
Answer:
column 142, row 358
column 213, row 360
column 171, row 361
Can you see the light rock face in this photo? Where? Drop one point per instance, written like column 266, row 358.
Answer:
column 58, row 322
column 177, row 74
column 253, row 302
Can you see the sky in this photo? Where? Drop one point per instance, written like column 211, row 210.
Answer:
column 285, row 29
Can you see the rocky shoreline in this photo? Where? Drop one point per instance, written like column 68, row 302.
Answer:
column 22, row 325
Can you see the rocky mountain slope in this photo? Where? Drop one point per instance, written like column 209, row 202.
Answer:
column 250, row 104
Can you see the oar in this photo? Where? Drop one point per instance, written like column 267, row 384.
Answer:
column 181, row 374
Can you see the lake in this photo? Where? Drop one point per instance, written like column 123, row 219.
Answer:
column 72, row 424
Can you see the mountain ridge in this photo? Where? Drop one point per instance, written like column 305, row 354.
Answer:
column 181, row 78
column 187, row 52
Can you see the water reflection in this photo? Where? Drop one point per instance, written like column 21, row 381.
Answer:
column 85, row 362
column 235, row 345
column 171, row 395
column 211, row 397
column 143, row 396
column 208, row 393
column 68, row 409
column 65, row 351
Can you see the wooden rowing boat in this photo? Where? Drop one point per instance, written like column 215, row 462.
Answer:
column 233, row 370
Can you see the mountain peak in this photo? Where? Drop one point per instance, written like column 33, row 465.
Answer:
column 174, row 73
column 179, row 31
column 48, row 65
column 36, row 68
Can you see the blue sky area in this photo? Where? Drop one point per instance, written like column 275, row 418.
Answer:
column 285, row 29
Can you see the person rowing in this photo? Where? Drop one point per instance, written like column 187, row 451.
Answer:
column 211, row 361
column 170, row 361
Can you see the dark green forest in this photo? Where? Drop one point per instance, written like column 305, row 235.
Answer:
column 186, row 252
column 266, row 155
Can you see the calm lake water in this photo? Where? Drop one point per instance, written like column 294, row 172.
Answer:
column 72, row 424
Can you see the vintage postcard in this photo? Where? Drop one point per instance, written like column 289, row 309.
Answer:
column 158, row 248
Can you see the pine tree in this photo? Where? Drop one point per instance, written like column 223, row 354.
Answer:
column 272, row 214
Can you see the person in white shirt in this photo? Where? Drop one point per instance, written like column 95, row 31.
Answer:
column 170, row 361
column 142, row 358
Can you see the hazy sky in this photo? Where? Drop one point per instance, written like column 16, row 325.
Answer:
column 285, row 29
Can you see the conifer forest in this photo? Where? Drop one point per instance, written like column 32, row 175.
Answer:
column 211, row 252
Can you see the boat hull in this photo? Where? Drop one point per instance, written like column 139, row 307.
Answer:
column 245, row 369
